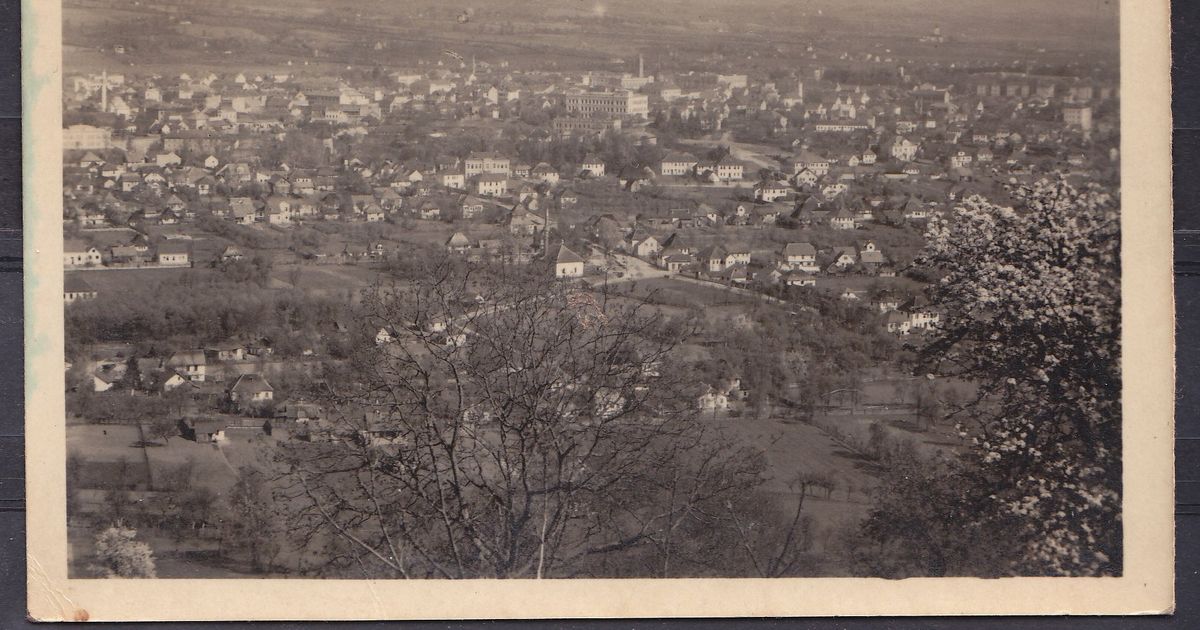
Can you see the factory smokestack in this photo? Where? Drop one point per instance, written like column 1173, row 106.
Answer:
column 104, row 91
column 641, row 66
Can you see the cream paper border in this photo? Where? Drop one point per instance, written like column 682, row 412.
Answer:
column 1148, row 324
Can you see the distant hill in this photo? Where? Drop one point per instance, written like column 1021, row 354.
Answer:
column 571, row 32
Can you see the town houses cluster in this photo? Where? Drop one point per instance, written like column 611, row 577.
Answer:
column 781, row 184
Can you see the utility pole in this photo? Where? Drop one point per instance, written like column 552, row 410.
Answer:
column 546, row 233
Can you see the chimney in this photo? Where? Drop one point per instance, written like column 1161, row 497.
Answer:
column 641, row 66
column 104, row 91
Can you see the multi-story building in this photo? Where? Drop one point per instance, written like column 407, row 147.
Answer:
column 491, row 184
column 569, row 125
column 902, row 149
column 677, row 164
column 770, row 191
column 453, row 179
column 86, row 137
column 480, row 163
column 618, row 102
column 727, row 168
column 814, row 162
column 1078, row 116
column 800, row 257
column 733, row 80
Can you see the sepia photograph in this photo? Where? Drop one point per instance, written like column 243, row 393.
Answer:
column 600, row 290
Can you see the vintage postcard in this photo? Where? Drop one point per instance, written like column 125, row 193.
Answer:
column 359, row 309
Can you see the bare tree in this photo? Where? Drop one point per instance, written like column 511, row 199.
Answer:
column 251, row 525
column 772, row 550
column 161, row 429
column 508, row 426
column 927, row 407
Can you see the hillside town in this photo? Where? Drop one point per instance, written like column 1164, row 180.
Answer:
column 219, row 224
column 507, row 158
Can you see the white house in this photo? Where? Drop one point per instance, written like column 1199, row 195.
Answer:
column 77, row 253
column 923, row 318
column 647, row 247
column 190, row 364
column 841, row 219
column 568, row 264
column 800, row 257
column 844, row 257
column 76, row 289
column 713, row 400
column 728, row 168
column 453, row 179
column 769, row 192
column 491, row 184
column 677, row 164
column 168, row 159
column 545, row 173
column 833, row 190
column 800, row 279
column 593, row 166
column 811, row 161
column 897, row 322
column 903, row 149
column 250, row 390
column 173, row 254
column 805, row 178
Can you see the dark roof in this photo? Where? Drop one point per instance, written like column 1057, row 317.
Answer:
column 799, row 249
column 75, row 245
column 565, row 255
column 170, row 247
column 75, row 284
column 251, row 384
column 186, row 357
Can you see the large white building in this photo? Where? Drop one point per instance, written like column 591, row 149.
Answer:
column 480, row 163
column 1078, row 116
column 733, row 80
column 86, row 137
column 677, row 164
column 620, row 102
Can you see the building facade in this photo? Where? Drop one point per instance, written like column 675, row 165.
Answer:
column 618, row 103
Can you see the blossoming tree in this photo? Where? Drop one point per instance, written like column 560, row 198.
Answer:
column 120, row 555
column 1030, row 297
